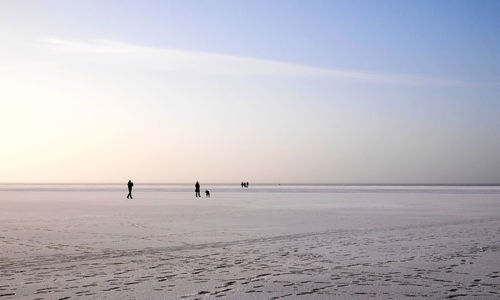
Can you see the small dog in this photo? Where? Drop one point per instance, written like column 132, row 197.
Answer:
column 207, row 193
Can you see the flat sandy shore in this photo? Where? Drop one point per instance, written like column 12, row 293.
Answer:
column 264, row 242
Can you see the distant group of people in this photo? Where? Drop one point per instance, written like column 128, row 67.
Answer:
column 130, row 185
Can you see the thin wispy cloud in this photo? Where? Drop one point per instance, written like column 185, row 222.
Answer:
column 168, row 59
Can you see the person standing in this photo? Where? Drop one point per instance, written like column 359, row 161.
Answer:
column 130, row 185
column 197, row 189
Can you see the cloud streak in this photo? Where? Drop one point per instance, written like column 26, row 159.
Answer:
column 183, row 61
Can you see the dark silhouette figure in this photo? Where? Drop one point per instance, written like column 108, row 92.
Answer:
column 207, row 193
column 242, row 184
column 130, row 185
column 246, row 184
column 197, row 189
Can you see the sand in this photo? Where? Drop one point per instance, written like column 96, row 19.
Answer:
column 264, row 242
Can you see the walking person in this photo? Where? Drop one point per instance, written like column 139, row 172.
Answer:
column 130, row 185
column 197, row 189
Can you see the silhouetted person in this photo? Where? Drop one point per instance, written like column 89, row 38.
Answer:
column 246, row 184
column 207, row 193
column 130, row 185
column 242, row 184
column 197, row 189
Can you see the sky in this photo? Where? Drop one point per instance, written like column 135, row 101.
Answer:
column 260, row 91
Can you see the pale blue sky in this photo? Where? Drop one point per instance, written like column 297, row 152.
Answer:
column 457, row 39
column 267, row 91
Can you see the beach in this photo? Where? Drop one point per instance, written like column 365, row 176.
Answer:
column 261, row 242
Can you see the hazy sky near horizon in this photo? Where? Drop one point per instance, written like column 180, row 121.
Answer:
column 264, row 91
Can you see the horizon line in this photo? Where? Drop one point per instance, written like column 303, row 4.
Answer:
column 261, row 183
